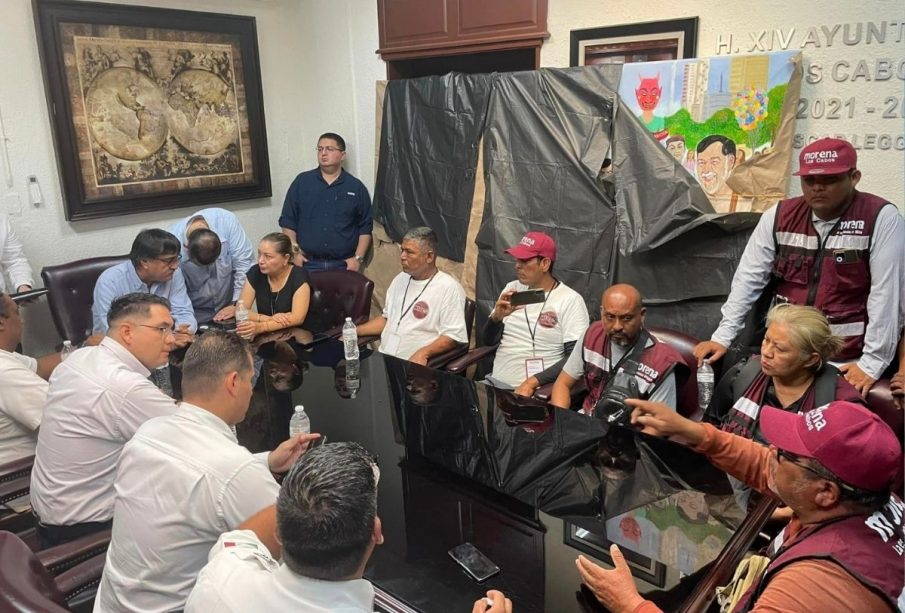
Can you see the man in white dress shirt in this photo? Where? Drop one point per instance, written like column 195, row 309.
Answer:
column 183, row 480
column 424, row 314
column 97, row 400
column 12, row 260
column 327, row 523
column 23, row 387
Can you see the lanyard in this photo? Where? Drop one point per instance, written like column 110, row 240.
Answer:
column 405, row 295
column 531, row 331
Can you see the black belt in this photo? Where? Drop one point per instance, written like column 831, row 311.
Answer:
column 50, row 535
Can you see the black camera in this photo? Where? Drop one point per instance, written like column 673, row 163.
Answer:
column 611, row 406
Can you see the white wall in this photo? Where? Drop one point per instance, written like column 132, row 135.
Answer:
column 883, row 171
column 318, row 69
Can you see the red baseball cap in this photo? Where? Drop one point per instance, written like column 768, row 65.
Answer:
column 827, row 156
column 849, row 440
column 532, row 245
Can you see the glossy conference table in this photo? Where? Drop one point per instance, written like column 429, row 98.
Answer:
column 531, row 487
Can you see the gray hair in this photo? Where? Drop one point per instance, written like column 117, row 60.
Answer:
column 326, row 510
column 425, row 236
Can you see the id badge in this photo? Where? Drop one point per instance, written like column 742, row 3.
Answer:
column 533, row 366
column 390, row 344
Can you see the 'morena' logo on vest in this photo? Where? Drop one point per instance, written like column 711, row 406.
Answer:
column 647, row 372
column 851, row 224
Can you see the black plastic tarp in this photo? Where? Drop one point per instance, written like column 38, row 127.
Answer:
column 428, row 156
column 546, row 137
column 546, row 134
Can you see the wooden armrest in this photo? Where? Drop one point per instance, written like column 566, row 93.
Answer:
column 441, row 359
column 63, row 557
column 459, row 365
column 82, row 577
column 14, row 488
column 16, row 468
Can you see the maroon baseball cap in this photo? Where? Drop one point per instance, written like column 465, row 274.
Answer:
column 827, row 156
column 849, row 440
column 532, row 245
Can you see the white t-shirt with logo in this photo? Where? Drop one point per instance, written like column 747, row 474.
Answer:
column 562, row 319
column 418, row 312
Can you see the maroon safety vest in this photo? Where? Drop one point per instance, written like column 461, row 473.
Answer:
column 745, row 412
column 656, row 362
column 869, row 548
column 834, row 276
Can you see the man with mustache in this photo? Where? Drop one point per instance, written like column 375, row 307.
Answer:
column 834, row 248
column 606, row 348
column 834, row 467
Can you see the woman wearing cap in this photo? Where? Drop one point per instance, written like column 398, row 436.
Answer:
column 792, row 373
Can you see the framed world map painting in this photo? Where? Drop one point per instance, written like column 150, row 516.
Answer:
column 152, row 108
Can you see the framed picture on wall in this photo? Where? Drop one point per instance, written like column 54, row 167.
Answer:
column 652, row 41
column 152, row 108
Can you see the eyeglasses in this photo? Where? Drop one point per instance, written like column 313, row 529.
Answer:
column 165, row 331
column 328, row 149
column 169, row 261
column 820, row 472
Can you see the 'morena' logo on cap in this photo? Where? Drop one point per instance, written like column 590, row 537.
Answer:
column 820, row 157
column 527, row 241
column 814, row 419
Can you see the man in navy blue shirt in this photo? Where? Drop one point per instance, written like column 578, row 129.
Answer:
column 327, row 212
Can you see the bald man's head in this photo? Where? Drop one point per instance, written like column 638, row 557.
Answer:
column 622, row 314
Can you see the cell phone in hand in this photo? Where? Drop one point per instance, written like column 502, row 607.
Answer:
column 531, row 296
column 474, row 562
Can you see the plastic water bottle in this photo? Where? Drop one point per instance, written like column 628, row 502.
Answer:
column 350, row 340
column 353, row 376
column 705, row 385
column 67, row 350
column 241, row 314
column 299, row 424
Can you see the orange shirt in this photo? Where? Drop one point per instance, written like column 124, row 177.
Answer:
column 803, row 586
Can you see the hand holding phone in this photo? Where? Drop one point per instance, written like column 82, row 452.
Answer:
column 530, row 296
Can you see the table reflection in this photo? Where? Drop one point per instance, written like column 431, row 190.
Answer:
column 531, row 486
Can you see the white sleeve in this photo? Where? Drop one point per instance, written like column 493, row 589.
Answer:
column 750, row 279
column 22, row 396
column 234, row 550
column 391, row 297
column 574, row 366
column 452, row 314
column 887, row 259
column 12, row 257
column 251, row 489
column 666, row 392
column 574, row 319
column 143, row 402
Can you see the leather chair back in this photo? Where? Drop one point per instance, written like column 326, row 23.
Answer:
column 470, row 310
column 25, row 585
column 71, row 294
column 879, row 400
column 686, row 378
column 335, row 295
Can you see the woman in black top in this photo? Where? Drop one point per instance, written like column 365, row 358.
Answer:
column 279, row 289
